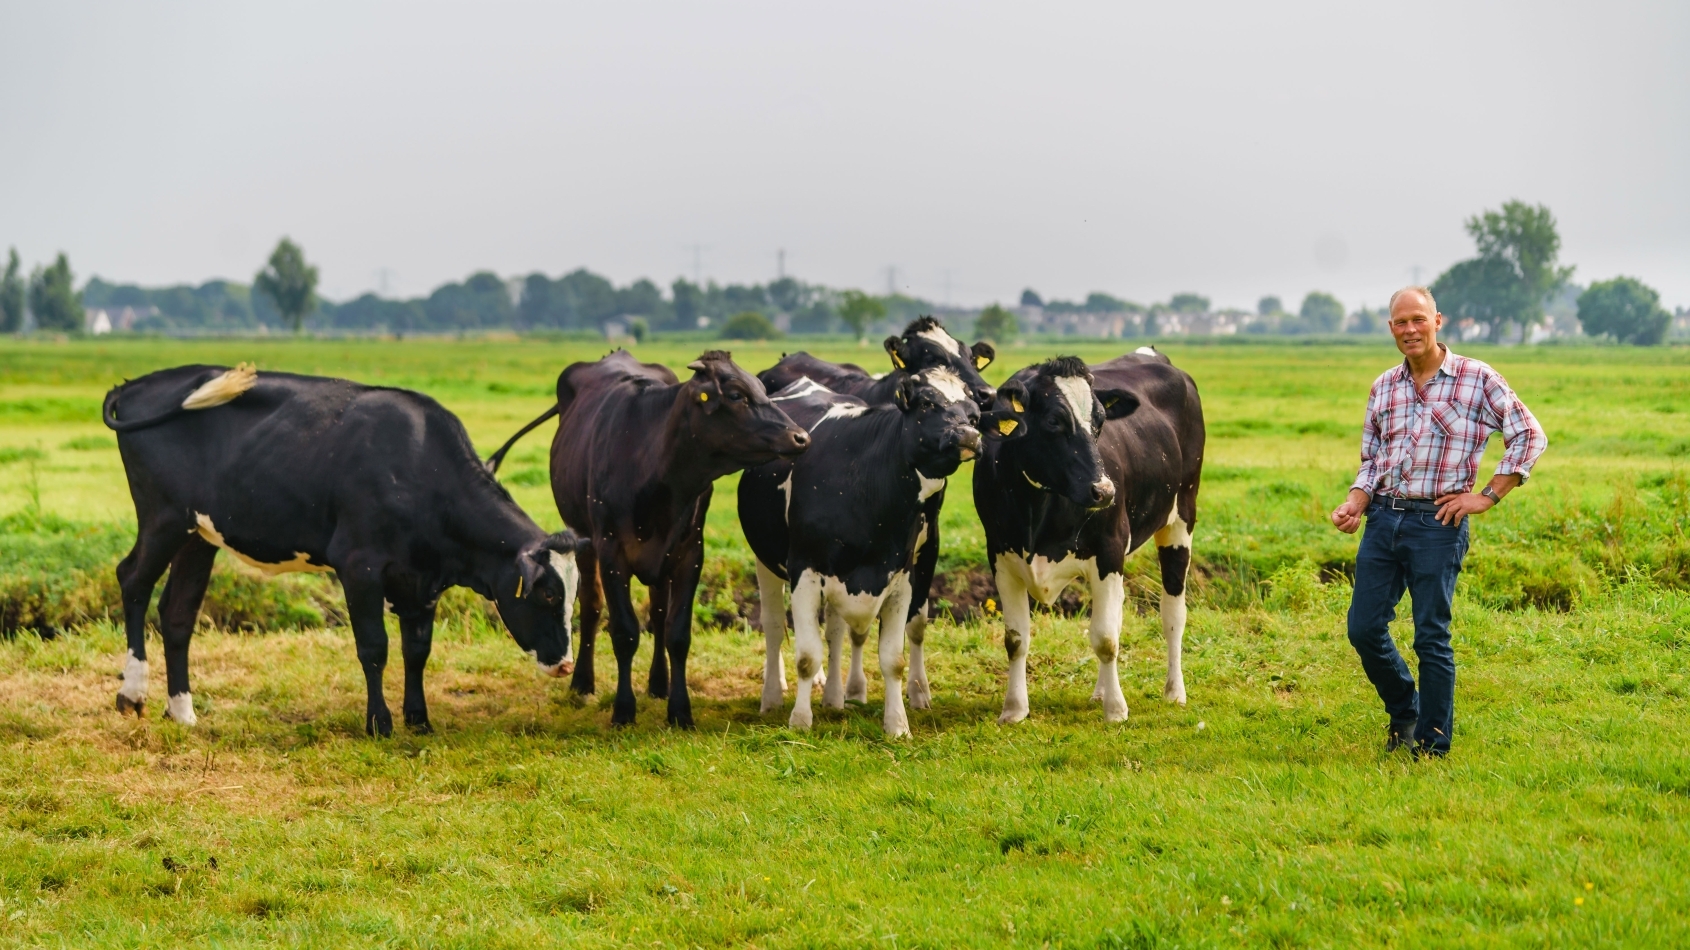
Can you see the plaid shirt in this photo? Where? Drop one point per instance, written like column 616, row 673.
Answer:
column 1427, row 443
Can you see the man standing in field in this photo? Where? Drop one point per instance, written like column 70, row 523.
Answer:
column 1427, row 422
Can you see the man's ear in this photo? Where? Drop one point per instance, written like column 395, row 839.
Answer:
column 983, row 355
column 1003, row 424
column 891, row 345
column 1117, row 403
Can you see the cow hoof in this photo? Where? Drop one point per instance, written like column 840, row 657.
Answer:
column 897, row 727
column 920, row 696
column 1114, row 713
column 1097, row 694
column 125, row 704
column 1174, row 694
column 820, row 682
column 772, row 703
column 379, row 725
column 419, row 728
column 681, row 721
column 180, row 708
column 1012, row 716
column 800, row 719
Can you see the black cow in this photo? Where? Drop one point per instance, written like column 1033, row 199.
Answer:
column 1087, row 464
column 843, row 523
column 633, row 460
column 924, row 345
column 300, row 473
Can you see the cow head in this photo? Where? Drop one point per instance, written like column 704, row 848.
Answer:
column 941, row 418
column 1047, row 419
column 536, row 598
column 926, row 345
column 731, row 417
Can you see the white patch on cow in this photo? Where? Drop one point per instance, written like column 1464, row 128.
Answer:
column 1108, row 595
column 567, row 571
column 915, row 634
column 225, row 388
column 771, row 616
column 854, row 613
column 877, row 376
column 134, row 686
column 928, row 486
column 844, row 410
column 1146, row 351
column 180, row 707
column 1077, row 392
column 786, row 492
column 1176, row 534
column 300, row 561
column 947, row 383
column 920, row 535
column 945, row 340
column 803, row 386
column 1042, row 579
column 562, row 667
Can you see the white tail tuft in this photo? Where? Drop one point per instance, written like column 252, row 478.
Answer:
column 224, row 388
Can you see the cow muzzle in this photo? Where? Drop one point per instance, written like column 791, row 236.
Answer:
column 1102, row 494
column 968, row 442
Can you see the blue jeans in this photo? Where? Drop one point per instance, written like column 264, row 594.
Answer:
column 1412, row 551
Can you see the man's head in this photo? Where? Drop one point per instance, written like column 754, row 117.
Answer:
column 1415, row 322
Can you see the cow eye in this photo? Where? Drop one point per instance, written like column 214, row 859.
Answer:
column 734, row 395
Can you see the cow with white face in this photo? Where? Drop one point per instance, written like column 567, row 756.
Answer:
column 844, row 523
column 1082, row 465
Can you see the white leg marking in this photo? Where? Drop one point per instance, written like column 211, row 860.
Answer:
column 921, row 697
column 892, row 613
column 1017, row 639
column 1107, row 596
column 134, row 686
column 833, row 691
column 1177, row 534
column 856, row 686
column 180, row 707
column 771, row 616
column 807, row 643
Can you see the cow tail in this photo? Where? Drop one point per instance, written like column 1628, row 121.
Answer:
column 108, row 415
column 499, row 456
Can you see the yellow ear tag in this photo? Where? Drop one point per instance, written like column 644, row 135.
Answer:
column 703, row 397
column 1006, row 426
column 519, row 585
column 896, row 361
column 980, row 362
column 1016, row 404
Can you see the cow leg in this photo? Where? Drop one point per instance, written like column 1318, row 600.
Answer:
column 1173, row 551
column 1017, row 640
column 806, row 643
column 893, row 614
column 915, row 631
column 833, row 685
column 178, row 608
column 137, row 575
column 416, row 641
column 657, row 599
column 771, row 616
column 683, row 585
column 624, row 635
column 1108, row 595
column 856, row 686
column 592, row 606
column 364, row 608
column 921, row 584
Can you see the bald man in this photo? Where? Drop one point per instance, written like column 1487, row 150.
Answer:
column 1427, row 422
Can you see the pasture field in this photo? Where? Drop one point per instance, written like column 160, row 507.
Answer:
column 1264, row 813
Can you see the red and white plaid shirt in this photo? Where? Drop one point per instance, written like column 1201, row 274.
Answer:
column 1427, row 443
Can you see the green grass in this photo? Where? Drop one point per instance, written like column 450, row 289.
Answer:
column 1264, row 813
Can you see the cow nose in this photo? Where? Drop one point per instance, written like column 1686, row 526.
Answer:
column 1103, row 494
column 800, row 438
column 968, row 439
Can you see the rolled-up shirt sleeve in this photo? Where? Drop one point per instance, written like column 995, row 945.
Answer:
column 1523, row 439
column 1367, row 478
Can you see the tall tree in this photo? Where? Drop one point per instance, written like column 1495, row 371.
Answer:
column 996, row 324
column 859, row 311
column 1030, row 298
column 52, row 298
column 1625, row 309
column 11, row 295
column 1321, row 313
column 1515, row 273
column 1189, row 303
column 1268, row 306
column 290, row 282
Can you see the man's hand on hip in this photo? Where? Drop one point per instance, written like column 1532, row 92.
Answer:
column 1347, row 516
column 1453, row 507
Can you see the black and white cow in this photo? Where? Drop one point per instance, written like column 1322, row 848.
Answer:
column 300, row 473
column 633, row 461
column 1083, row 466
column 844, row 522
column 924, row 345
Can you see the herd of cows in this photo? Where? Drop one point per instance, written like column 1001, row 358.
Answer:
column 1076, row 466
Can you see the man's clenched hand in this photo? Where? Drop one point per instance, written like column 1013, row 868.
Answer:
column 1347, row 516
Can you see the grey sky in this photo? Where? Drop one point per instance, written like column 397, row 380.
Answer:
column 1234, row 150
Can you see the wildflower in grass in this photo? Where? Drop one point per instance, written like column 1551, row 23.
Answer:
column 1578, row 902
column 991, row 606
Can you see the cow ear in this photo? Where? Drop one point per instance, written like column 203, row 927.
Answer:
column 1014, row 396
column 1003, row 424
column 531, row 564
column 891, row 345
column 904, row 395
column 983, row 355
column 1117, row 403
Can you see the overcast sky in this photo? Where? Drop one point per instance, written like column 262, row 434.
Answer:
column 978, row 148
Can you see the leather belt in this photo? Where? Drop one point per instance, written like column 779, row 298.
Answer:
column 1405, row 504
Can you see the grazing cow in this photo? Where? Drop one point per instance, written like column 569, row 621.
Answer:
column 1088, row 464
column 924, row 345
column 300, row 473
column 843, row 523
column 633, row 460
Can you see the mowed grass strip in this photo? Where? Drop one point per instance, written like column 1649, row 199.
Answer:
column 1279, row 822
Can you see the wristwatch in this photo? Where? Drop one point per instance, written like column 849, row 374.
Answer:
column 1490, row 493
